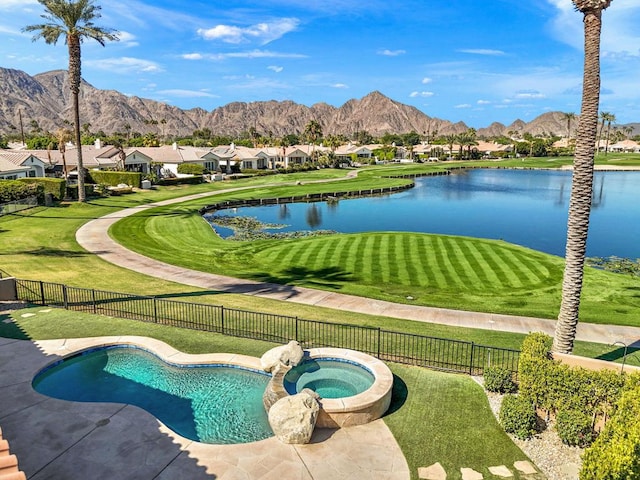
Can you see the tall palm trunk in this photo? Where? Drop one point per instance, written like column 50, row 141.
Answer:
column 582, row 186
column 74, row 83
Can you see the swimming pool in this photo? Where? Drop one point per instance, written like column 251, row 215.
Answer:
column 212, row 403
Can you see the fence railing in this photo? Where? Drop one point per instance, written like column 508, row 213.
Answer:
column 17, row 205
column 420, row 350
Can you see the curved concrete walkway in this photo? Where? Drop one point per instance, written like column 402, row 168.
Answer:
column 94, row 237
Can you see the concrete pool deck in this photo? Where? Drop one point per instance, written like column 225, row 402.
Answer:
column 59, row 439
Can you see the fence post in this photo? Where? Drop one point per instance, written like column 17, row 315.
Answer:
column 155, row 311
column 65, row 299
column 473, row 346
column 296, row 328
column 222, row 318
column 379, row 340
column 42, row 293
column 93, row 297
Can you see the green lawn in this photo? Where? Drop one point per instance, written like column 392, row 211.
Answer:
column 434, row 270
column 435, row 417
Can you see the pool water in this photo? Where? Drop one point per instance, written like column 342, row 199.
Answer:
column 217, row 404
column 329, row 378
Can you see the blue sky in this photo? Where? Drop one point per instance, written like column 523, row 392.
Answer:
column 459, row 60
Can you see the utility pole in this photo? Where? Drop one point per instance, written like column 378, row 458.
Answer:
column 21, row 127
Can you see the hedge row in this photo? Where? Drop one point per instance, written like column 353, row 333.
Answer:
column 181, row 181
column 615, row 455
column 190, row 169
column 54, row 186
column 554, row 387
column 114, row 179
column 11, row 190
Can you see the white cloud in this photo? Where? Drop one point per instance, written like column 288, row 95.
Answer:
column 529, row 94
column 126, row 65
column 128, row 39
column 619, row 32
column 482, row 51
column 463, row 105
column 7, row 4
column 250, row 54
column 263, row 33
column 426, row 80
column 192, row 56
column 275, row 68
column 340, row 85
column 187, row 93
column 391, row 53
column 421, row 94
column 483, row 102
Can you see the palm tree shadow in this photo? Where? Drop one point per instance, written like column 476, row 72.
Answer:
column 55, row 252
column 327, row 277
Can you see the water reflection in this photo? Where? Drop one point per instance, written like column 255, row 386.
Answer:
column 314, row 216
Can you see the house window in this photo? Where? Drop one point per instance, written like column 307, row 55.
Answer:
column 32, row 173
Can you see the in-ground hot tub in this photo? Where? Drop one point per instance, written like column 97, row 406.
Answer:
column 355, row 388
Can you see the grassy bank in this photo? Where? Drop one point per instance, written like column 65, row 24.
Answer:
column 432, row 270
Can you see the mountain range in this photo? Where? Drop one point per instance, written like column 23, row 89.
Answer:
column 45, row 99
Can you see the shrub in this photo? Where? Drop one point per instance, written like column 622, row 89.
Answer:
column 518, row 416
column 15, row 190
column 55, row 186
column 575, row 428
column 190, row 169
column 114, row 179
column 499, row 380
column 615, row 455
column 181, row 181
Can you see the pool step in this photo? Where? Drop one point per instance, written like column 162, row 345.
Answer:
column 9, row 463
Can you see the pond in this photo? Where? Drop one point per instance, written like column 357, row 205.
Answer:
column 525, row 207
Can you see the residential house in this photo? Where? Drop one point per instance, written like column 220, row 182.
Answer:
column 11, row 171
column 34, row 166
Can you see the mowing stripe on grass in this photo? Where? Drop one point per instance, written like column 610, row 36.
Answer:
column 410, row 259
column 489, row 273
column 453, row 281
column 466, row 266
column 378, row 265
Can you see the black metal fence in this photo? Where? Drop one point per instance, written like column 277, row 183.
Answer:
column 424, row 351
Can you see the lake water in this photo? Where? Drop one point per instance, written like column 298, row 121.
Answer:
column 525, row 207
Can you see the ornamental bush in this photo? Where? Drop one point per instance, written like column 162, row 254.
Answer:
column 15, row 190
column 615, row 455
column 113, row 179
column 518, row 416
column 499, row 380
column 55, row 186
column 190, row 169
column 575, row 428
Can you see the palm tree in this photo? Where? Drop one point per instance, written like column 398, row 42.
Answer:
column 603, row 116
column 63, row 136
column 312, row 131
column 582, row 183
column 569, row 116
column 610, row 117
column 74, row 21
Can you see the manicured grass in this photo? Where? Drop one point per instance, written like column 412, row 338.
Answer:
column 435, row 417
column 435, row 270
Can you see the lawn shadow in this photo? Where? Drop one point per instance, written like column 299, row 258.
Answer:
column 54, row 252
column 327, row 277
column 631, row 354
column 9, row 329
column 399, row 394
column 189, row 294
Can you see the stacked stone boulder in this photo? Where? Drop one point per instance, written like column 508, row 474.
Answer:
column 292, row 417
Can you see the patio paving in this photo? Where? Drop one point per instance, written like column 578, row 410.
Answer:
column 57, row 439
